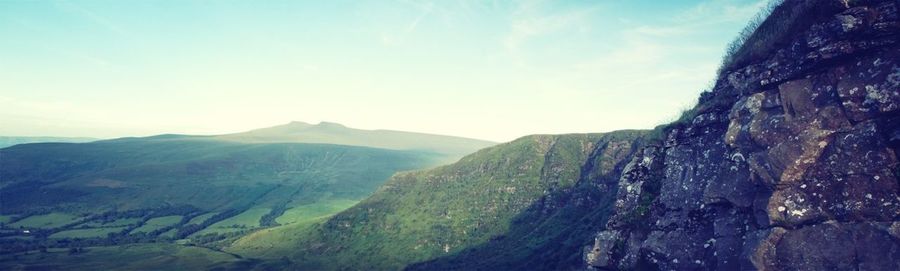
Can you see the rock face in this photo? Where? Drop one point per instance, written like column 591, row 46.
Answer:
column 790, row 164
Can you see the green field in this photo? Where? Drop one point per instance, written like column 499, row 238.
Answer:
column 86, row 233
column 169, row 233
column 158, row 223
column 310, row 212
column 5, row 219
column 129, row 257
column 111, row 224
column 48, row 221
column 247, row 220
column 200, row 218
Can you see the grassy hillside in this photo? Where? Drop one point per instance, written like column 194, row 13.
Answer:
column 163, row 188
column 206, row 174
column 333, row 133
column 423, row 215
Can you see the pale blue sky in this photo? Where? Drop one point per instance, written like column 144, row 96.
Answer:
column 494, row 70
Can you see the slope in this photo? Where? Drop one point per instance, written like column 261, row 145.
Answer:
column 170, row 187
column 172, row 171
column 421, row 215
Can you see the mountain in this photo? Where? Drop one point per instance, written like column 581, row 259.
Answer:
column 6, row 141
column 505, row 191
column 333, row 133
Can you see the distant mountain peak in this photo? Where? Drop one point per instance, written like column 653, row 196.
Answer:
column 330, row 124
column 326, row 132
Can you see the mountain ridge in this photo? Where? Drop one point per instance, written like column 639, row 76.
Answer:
column 335, row 133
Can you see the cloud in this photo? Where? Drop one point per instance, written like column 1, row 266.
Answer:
column 415, row 23
column 530, row 21
column 93, row 17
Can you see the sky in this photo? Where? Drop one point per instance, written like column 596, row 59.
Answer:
column 494, row 70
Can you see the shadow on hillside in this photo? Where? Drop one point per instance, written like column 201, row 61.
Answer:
column 549, row 235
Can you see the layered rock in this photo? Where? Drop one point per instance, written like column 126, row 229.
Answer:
column 790, row 164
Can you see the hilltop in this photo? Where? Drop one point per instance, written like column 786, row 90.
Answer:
column 6, row 141
column 334, row 133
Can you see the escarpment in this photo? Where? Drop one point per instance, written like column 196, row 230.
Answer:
column 789, row 164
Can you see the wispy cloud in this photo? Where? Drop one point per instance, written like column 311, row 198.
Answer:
column 92, row 16
column 415, row 23
column 532, row 19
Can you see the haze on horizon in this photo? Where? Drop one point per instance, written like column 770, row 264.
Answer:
column 490, row 70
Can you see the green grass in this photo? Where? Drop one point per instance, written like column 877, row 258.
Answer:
column 112, row 224
column 309, row 212
column 169, row 234
column 86, row 233
column 247, row 220
column 158, row 223
column 129, row 257
column 48, row 221
column 421, row 215
column 197, row 220
column 5, row 218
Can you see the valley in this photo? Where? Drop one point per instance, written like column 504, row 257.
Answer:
column 186, row 191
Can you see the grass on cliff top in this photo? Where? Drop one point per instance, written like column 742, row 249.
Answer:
column 774, row 27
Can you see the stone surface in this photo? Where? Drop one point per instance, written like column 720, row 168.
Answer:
column 791, row 164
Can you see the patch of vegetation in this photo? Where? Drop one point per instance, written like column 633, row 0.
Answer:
column 246, row 220
column 112, row 223
column 197, row 220
column 4, row 219
column 310, row 212
column 170, row 234
column 158, row 223
column 47, row 221
column 87, row 233
column 684, row 119
column 772, row 28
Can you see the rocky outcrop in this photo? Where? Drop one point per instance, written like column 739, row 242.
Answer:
column 790, row 164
